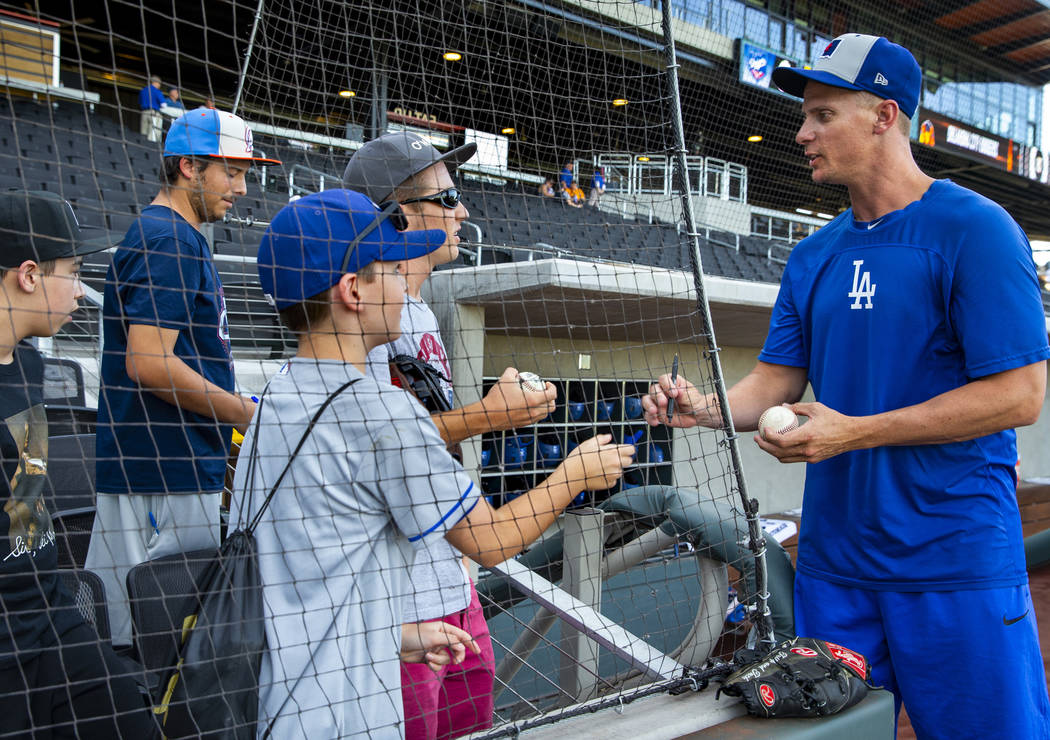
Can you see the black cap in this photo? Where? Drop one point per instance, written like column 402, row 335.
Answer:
column 40, row 226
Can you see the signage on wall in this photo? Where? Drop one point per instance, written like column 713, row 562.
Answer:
column 757, row 64
column 946, row 134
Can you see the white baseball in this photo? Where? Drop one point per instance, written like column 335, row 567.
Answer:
column 777, row 418
column 531, row 382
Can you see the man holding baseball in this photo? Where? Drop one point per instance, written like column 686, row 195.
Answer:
column 405, row 168
column 916, row 317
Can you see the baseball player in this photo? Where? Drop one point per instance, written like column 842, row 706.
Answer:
column 916, row 317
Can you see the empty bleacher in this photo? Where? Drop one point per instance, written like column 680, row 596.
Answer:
column 108, row 172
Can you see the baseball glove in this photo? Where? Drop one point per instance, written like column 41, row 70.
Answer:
column 801, row 677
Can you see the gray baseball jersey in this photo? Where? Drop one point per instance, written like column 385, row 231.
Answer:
column 336, row 543
column 442, row 586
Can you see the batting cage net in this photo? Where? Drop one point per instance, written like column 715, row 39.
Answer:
column 222, row 517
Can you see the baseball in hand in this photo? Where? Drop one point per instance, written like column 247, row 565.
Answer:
column 531, row 382
column 777, row 419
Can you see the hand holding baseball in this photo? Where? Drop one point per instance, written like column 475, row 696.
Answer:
column 826, row 433
column 511, row 403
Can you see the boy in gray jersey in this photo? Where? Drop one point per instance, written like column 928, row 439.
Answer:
column 405, row 168
column 372, row 477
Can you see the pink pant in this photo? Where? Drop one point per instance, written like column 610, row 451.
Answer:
column 457, row 700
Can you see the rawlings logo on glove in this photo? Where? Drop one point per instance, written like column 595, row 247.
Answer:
column 802, row 677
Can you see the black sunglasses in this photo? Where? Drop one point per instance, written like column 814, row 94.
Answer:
column 448, row 198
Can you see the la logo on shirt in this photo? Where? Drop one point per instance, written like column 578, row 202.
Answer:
column 863, row 288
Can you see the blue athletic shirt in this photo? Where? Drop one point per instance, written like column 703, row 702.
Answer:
column 162, row 275
column 888, row 314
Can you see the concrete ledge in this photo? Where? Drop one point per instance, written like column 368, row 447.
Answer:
column 657, row 717
column 872, row 719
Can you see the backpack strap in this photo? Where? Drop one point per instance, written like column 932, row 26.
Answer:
column 309, row 428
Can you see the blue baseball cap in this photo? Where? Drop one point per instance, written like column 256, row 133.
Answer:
column 208, row 132
column 312, row 242
column 857, row 62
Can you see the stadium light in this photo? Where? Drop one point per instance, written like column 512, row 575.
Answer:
column 804, row 211
column 508, row 130
column 643, row 158
column 619, row 102
column 347, row 94
column 754, row 138
column 451, row 56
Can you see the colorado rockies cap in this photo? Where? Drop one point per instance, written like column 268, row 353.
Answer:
column 857, row 62
column 208, row 132
column 40, row 226
column 312, row 242
column 377, row 168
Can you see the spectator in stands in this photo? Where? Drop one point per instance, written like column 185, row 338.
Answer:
column 209, row 102
column 916, row 317
column 547, row 188
column 167, row 402
column 597, row 187
column 175, row 99
column 151, row 99
column 405, row 168
column 574, row 195
column 374, row 476
column 567, row 176
column 56, row 677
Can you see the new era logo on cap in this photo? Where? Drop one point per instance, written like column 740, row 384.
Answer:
column 857, row 62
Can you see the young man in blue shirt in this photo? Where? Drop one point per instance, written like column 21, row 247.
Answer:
column 917, row 319
column 167, row 403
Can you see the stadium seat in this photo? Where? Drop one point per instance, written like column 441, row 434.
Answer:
column 64, row 420
column 70, row 472
column 89, row 595
column 163, row 592
column 73, row 535
column 63, row 381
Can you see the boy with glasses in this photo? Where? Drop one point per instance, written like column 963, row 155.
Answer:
column 405, row 168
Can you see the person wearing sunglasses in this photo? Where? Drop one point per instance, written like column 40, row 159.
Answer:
column 405, row 168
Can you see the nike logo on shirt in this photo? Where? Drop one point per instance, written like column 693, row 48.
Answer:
column 873, row 224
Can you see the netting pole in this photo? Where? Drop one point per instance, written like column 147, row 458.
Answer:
column 756, row 542
column 247, row 56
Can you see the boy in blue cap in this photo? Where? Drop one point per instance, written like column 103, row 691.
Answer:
column 373, row 476
column 167, row 402
column 916, row 317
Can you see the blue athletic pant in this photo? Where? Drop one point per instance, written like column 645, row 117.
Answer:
column 966, row 664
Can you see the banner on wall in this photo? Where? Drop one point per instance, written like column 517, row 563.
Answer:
column 939, row 132
column 757, row 64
